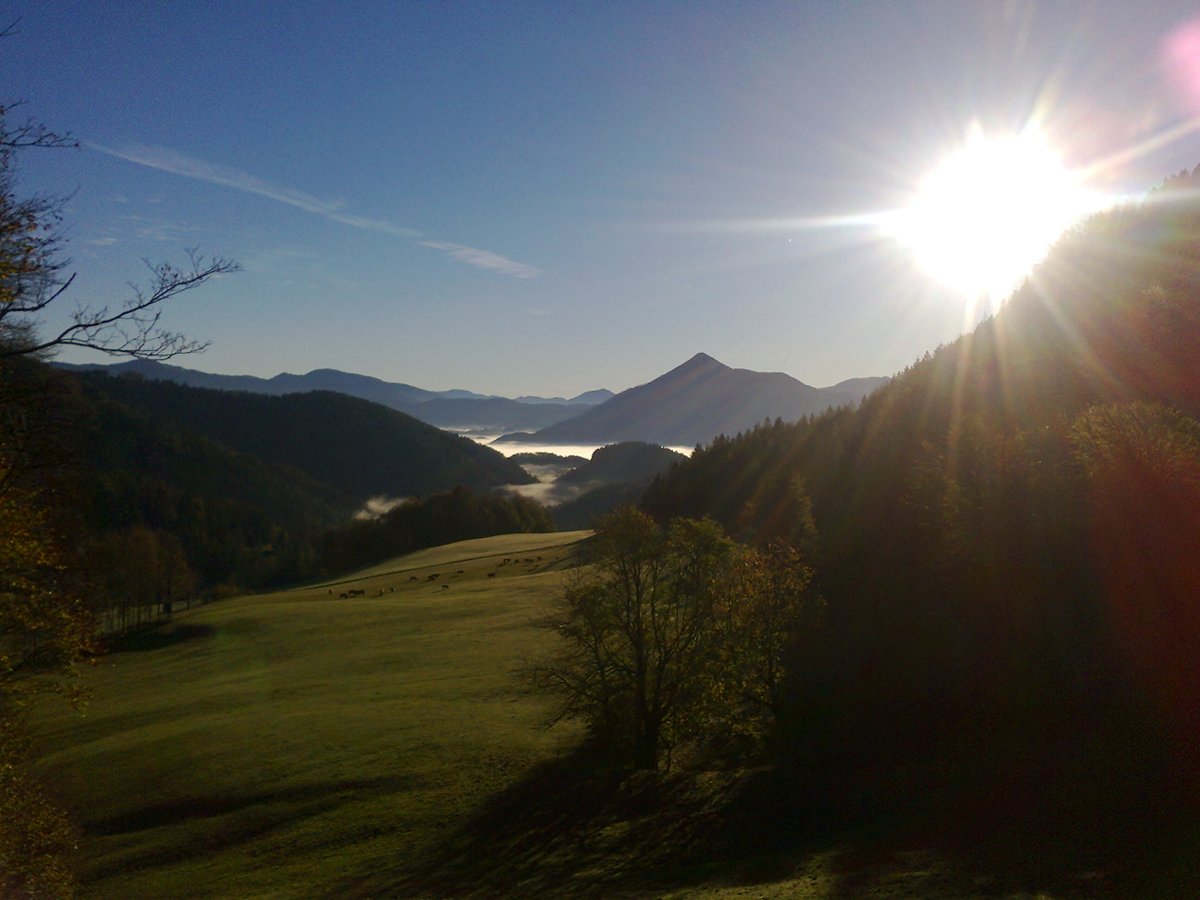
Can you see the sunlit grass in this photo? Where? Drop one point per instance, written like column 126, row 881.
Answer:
column 293, row 741
column 297, row 745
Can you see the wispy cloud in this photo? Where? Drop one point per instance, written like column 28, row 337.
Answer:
column 484, row 259
column 158, row 229
column 375, row 225
column 168, row 160
column 375, row 507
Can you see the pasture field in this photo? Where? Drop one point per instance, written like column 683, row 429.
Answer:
column 295, row 743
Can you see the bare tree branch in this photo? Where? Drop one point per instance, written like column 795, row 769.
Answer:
column 133, row 329
column 31, row 268
column 32, row 133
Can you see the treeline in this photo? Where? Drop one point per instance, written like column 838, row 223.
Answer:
column 615, row 475
column 1006, row 534
column 186, row 494
column 351, row 445
column 455, row 515
column 239, row 522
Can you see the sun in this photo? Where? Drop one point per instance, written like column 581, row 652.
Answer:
column 989, row 212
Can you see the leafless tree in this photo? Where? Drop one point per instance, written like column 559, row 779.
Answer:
column 33, row 272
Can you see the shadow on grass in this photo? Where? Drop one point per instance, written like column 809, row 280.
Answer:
column 157, row 637
column 574, row 827
column 198, row 807
column 234, row 819
column 1005, row 826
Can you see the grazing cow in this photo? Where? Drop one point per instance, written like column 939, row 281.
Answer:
column 342, row 595
column 445, row 587
column 491, row 574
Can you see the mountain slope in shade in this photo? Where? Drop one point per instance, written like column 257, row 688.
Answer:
column 593, row 398
column 454, row 409
column 393, row 394
column 493, row 414
column 633, row 462
column 358, row 447
column 697, row 401
column 588, row 398
column 225, row 507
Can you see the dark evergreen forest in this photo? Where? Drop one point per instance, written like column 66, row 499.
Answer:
column 441, row 518
column 188, row 492
column 1008, row 539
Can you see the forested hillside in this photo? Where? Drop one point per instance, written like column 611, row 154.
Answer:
column 616, row 474
column 188, row 489
column 1007, row 533
column 354, row 445
column 624, row 463
column 239, row 520
column 440, row 518
column 456, row 409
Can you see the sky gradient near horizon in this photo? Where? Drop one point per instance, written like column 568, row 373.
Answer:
column 547, row 198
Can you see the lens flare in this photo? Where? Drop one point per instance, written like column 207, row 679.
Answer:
column 989, row 212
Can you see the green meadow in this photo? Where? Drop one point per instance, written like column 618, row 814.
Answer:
column 299, row 744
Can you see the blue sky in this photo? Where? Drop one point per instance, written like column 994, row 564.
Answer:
column 547, row 198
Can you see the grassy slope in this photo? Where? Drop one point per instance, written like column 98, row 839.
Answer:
column 298, row 745
column 287, row 743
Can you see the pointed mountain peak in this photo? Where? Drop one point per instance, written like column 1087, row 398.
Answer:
column 699, row 367
column 701, row 361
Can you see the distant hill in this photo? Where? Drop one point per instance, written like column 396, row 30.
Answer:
column 631, row 461
column 492, row 414
column 393, row 394
column 544, row 458
column 359, row 448
column 697, row 401
column 238, row 519
column 616, row 474
column 453, row 409
column 593, row 398
column 588, row 398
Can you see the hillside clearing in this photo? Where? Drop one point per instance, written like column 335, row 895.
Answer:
column 282, row 743
column 296, row 744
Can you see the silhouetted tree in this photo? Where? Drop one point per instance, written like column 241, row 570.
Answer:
column 674, row 635
column 636, row 631
column 42, row 629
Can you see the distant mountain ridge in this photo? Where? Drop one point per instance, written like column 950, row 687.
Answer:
column 249, row 484
column 453, row 409
column 695, row 402
column 353, row 445
column 588, row 398
column 692, row 403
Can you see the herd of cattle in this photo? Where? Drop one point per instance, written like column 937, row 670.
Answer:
column 433, row 577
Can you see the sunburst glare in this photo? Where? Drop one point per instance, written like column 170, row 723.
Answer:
column 989, row 212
